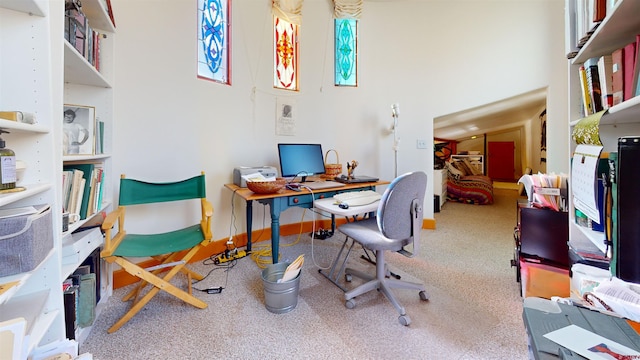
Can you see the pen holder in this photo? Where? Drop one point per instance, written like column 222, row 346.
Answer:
column 279, row 298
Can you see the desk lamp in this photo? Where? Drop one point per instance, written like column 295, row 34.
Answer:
column 395, row 112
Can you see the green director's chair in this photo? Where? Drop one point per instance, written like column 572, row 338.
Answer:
column 172, row 250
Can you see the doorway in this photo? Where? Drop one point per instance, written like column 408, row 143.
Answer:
column 501, row 160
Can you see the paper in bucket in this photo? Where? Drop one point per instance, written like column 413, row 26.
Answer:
column 281, row 296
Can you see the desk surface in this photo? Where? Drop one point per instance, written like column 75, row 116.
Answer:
column 285, row 199
column 329, row 205
column 247, row 194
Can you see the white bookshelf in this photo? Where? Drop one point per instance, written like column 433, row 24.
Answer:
column 50, row 73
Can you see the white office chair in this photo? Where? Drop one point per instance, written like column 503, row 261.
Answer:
column 396, row 226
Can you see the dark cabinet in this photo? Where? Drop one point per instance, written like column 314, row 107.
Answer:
column 541, row 236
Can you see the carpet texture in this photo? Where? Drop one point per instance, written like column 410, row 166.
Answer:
column 474, row 311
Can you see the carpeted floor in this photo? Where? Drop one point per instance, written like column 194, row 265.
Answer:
column 474, row 311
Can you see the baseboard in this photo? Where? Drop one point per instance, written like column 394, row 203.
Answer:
column 122, row 278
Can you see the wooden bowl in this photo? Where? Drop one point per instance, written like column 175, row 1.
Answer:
column 266, row 187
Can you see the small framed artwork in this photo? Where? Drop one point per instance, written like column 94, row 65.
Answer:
column 78, row 129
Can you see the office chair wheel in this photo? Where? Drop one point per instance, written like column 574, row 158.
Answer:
column 350, row 304
column 348, row 277
column 423, row 295
column 404, row 320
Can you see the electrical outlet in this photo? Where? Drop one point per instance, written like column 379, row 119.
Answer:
column 421, row 144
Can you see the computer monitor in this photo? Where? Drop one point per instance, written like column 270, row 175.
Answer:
column 301, row 160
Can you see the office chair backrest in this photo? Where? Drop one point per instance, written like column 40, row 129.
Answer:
column 133, row 192
column 400, row 210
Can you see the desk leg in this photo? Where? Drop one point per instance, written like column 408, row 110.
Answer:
column 276, row 206
column 249, row 217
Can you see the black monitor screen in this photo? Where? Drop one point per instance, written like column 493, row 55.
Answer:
column 300, row 160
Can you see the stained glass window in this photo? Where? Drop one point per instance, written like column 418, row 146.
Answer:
column 346, row 52
column 214, row 30
column 285, row 36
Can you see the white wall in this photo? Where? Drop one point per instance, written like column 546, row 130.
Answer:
column 432, row 57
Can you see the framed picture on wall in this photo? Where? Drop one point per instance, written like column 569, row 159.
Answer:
column 78, row 126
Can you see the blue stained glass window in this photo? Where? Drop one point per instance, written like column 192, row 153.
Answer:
column 213, row 40
column 346, row 52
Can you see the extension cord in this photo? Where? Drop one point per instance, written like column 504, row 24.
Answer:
column 229, row 256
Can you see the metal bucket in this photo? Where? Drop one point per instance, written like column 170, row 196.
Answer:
column 281, row 297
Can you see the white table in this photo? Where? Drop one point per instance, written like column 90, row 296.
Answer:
column 331, row 206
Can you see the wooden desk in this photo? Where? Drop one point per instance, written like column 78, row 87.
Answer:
column 286, row 199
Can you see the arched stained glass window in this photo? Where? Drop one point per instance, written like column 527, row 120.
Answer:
column 285, row 36
column 346, row 52
column 214, row 52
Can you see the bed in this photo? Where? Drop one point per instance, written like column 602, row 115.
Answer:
column 467, row 185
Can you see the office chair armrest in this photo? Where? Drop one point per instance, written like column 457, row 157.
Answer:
column 110, row 244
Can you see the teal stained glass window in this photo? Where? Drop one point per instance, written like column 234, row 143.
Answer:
column 346, row 52
column 213, row 40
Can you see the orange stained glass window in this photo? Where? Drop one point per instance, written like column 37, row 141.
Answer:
column 285, row 36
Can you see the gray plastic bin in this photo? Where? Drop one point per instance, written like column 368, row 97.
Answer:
column 25, row 241
column 282, row 297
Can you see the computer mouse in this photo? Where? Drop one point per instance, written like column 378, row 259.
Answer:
column 343, row 206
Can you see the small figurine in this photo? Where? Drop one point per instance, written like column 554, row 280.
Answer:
column 351, row 167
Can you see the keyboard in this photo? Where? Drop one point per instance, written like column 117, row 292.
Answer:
column 315, row 185
column 358, row 198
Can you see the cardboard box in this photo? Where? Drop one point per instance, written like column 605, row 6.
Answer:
column 25, row 241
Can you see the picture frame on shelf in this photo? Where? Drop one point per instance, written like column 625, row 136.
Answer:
column 78, row 124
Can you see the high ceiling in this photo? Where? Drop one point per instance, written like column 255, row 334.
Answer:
column 499, row 116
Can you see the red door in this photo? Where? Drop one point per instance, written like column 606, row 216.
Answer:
column 501, row 160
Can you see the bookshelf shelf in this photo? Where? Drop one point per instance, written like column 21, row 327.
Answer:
column 30, row 191
column 26, row 6
column 77, row 70
column 15, row 126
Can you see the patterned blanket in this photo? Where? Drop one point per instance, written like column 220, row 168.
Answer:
column 470, row 189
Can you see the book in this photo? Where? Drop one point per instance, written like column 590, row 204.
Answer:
column 605, row 68
column 636, row 69
column 617, row 76
column 586, row 97
column 87, row 172
column 70, row 305
column 599, row 10
column 19, row 116
column 629, row 62
column 593, row 84
column 74, row 191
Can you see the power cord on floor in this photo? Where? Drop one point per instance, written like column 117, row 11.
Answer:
column 226, row 267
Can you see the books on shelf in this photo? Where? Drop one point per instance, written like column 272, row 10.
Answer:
column 80, row 35
column 610, row 79
column 83, row 188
